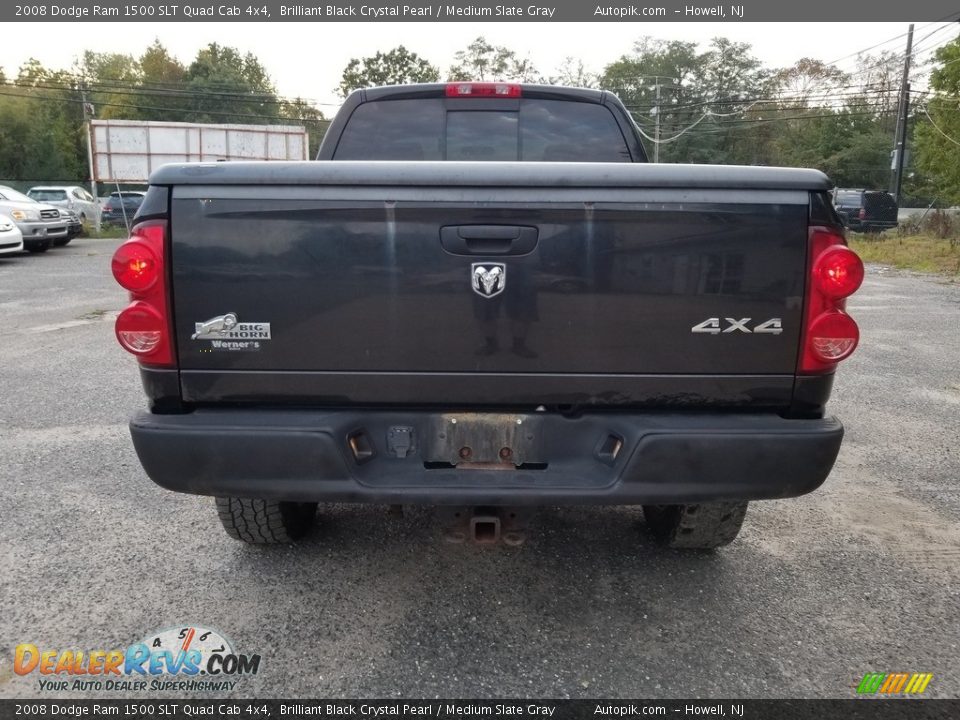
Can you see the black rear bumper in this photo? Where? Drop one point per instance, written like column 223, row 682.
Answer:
column 594, row 458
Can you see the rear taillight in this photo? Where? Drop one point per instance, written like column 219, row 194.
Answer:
column 135, row 265
column 143, row 328
column 483, row 89
column 838, row 271
column 829, row 335
column 833, row 336
column 140, row 329
column 107, row 208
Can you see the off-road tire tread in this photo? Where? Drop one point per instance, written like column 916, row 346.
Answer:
column 702, row 526
column 264, row 522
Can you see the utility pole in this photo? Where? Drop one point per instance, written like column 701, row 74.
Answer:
column 903, row 110
column 88, row 112
column 656, row 132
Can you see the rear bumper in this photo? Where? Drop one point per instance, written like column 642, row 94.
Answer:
column 305, row 455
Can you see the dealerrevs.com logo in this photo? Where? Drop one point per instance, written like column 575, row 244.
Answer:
column 183, row 659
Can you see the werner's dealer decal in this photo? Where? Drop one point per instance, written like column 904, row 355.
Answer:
column 227, row 333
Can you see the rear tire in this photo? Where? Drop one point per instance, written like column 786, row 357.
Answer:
column 265, row 522
column 696, row 527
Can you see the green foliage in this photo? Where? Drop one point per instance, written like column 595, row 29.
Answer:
column 938, row 137
column 40, row 127
column 396, row 67
column 163, row 75
column 696, row 89
column 715, row 104
column 42, row 120
column 918, row 248
column 720, row 105
column 226, row 86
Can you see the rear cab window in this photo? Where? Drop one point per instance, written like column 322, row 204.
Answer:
column 528, row 129
column 848, row 198
column 48, row 195
column 880, row 201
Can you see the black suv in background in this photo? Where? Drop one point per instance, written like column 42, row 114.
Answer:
column 866, row 210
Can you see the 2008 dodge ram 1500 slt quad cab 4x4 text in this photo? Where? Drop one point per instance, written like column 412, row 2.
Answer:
column 404, row 321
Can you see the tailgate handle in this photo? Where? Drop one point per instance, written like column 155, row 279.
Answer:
column 488, row 239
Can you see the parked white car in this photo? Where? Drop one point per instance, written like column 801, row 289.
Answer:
column 68, row 197
column 11, row 239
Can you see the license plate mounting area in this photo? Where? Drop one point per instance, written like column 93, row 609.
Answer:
column 485, row 441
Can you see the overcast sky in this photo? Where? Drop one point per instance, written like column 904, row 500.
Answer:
column 307, row 59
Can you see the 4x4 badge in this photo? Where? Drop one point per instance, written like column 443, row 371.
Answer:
column 488, row 279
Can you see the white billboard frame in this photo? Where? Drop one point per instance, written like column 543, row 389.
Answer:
column 127, row 151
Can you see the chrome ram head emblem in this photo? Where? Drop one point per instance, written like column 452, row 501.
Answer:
column 488, row 279
column 215, row 327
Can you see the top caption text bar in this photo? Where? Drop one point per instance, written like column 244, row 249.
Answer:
column 544, row 11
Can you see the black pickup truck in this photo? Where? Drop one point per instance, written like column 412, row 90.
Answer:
column 405, row 321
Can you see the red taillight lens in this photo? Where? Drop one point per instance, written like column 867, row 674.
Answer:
column 829, row 335
column 833, row 336
column 138, row 265
column 140, row 329
column 481, row 89
column 135, row 266
column 838, row 271
column 107, row 208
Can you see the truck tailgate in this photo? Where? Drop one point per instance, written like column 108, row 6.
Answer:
column 488, row 282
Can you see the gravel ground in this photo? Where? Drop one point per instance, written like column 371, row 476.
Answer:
column 863, row 575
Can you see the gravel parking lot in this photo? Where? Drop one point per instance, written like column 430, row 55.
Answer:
column 863, row 575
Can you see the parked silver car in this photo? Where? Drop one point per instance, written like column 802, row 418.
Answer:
column 69, row 197
column 39, row 224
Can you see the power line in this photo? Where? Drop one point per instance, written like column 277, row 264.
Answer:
column 146, row 93
column 828, row 94
column 937, row 127
column 160, row 109
column 742, row 123
column 134, row 82
column 952, row 16
column 117, row 89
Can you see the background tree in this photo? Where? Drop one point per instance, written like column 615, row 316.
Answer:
column 484, row 62
column 111, row 77
column 396, row 67
column 40, row 126
column 573, row 73
column 229, row 87
column 162, row 78
column 938, row 137
column 300, row 112
column 676, row 67
column 809, row 81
